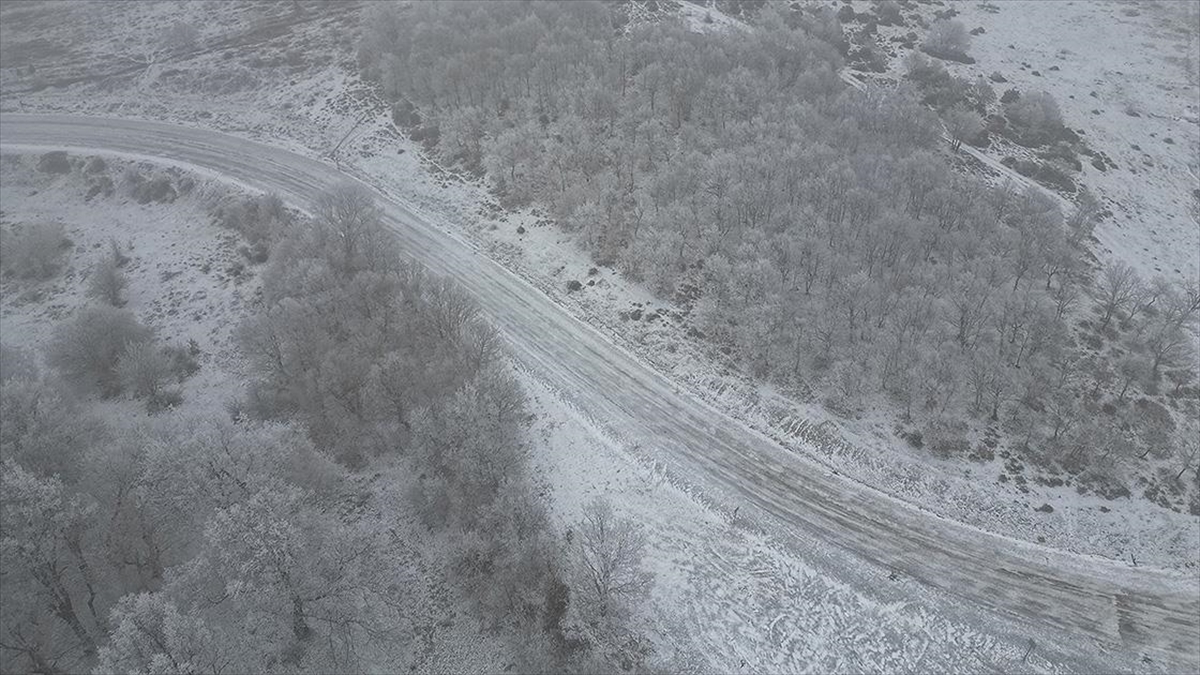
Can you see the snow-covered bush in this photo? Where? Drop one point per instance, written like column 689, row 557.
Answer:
column 948, row 40
column 32, row 251
column 87, row 349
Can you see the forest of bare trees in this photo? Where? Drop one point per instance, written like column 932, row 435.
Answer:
column 253, row 542
column 814, row 232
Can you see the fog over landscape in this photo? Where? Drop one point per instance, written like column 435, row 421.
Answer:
column 647, row 336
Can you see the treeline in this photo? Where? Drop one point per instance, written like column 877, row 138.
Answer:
column 249, row 543
column 813, row 231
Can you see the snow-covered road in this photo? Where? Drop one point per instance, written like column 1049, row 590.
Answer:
column 1096, row 613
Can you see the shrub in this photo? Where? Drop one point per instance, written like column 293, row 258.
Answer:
column 117, row 255
column 939, row 88
column 889, row 13
column 963, row 125
column 947, row 438
column 1033, row 118
column 32, row 251
column 182, row 360
column 164, row 400
column 260, row 219
column 573, row 286
column 18, row 364
column 142, row 369
column 86, row 349
column 1061, row 153
column 158, row 189
column 867, row 57
column 108, row 282
column 180, row 37
column 948, row 40
column 54, row 162
column 1050, row 175
column 982, row 95
column 99, row 184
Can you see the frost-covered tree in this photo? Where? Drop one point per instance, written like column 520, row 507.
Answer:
column 151, row 635
column 53, row 609
column 1035, row 116
column 44, row 429
column 1119, row 284
column 608, row 556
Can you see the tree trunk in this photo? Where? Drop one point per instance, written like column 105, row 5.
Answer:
column 300, row 626
column 65, row 610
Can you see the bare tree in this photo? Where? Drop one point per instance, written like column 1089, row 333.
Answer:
column 1118, row 286
column 1130, row 369
column 1167, row 344
column 150, row 632
column 1146, row 298
column 1187, row 450
column 610, row 552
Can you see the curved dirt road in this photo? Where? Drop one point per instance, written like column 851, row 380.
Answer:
column 1097, row 614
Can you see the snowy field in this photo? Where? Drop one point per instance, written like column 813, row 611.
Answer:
column 1123, row 73
column 1126, row 74
column 187, row 279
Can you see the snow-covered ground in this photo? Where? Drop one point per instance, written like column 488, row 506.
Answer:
column 1125, row 73
column 318, row 107
column 726, row 579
